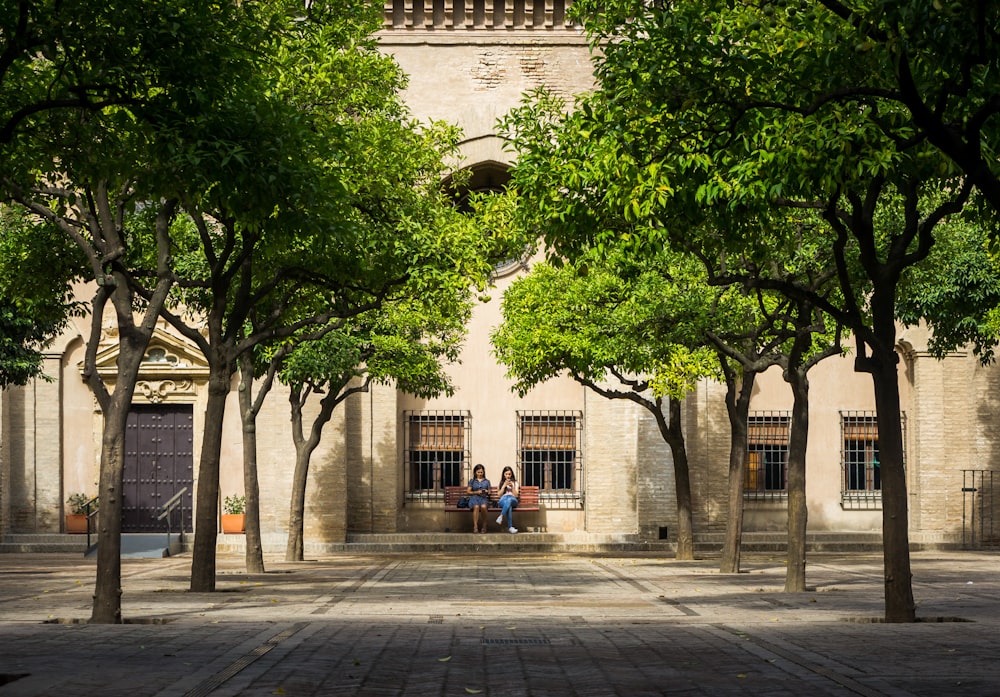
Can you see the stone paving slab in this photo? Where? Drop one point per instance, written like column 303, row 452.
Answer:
column 447, row 624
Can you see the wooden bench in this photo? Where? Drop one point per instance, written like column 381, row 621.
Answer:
column 527, row 501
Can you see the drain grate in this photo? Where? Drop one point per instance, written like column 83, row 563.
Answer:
column 516, row 642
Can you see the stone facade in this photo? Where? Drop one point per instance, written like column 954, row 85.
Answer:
column 470, row 62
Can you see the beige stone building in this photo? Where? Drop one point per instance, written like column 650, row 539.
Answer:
column 603, row 471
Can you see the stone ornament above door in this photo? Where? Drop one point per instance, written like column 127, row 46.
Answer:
column 172, row 370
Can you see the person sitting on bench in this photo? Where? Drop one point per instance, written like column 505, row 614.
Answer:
column 479, row 497
column 508, row 492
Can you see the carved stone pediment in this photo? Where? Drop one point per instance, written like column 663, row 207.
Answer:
column 171, row 369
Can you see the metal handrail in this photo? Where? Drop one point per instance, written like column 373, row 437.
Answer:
column 170, row 505
column 175, row 501
column 92, row 503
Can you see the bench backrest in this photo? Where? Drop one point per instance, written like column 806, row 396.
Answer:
column 528, row 497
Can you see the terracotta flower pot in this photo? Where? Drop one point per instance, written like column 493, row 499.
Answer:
column 233, row 523
column 76, row 523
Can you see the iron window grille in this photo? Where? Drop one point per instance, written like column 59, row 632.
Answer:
column 435, row 451
column 550, row 455
column 766, row 476
column 861, row 474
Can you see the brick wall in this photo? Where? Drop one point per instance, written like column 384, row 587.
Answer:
column 611, row 465
column 374, row 475
column 655, row 489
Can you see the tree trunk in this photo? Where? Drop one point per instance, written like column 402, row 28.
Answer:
column 132, row 343
column 304, row 448
column 107, row 607
column 899, row 604
column 133, row 340
column 295, row 551
column 207, row 507
column 798, row 512
column 738, row 406
column 673, row 435
column 248, row 417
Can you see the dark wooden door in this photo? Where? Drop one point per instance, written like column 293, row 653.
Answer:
column 159, row 462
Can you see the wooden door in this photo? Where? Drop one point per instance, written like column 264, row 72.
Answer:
column 159, row 462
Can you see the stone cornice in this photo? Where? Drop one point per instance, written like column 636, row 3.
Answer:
column 479, row 37
column 170, row 364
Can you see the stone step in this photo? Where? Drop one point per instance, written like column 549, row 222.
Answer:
column 133, row 544
column 546, row 542
column 706, row 544
column 778, row 542
column 44, row 542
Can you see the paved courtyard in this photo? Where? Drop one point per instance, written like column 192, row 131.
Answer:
column 445, row 624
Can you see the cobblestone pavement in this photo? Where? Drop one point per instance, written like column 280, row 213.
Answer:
column 442, row 624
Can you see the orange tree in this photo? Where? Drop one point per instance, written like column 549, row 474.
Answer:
column 624, row 330
column 326, row 205
column 867, row 123
column 99, row 102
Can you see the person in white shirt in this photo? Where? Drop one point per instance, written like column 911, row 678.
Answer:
column 508, row 491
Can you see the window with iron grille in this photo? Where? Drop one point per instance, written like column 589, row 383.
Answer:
column 550, row 450
column 767, row 456
column 436, row 450
column 860, row 467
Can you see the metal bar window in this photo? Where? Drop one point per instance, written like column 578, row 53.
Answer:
column 550, row 455
column 435, row 451
column 861, row 473
column 767, row 456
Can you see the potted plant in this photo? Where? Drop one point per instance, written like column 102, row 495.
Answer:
column 76, row 519
column 234, row 510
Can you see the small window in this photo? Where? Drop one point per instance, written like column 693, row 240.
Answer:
column 860, row 465
column 159, row 355
column 767, row 456
column 550, row 453
column 436, row 450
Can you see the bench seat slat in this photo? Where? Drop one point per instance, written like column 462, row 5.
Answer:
column 528, row 500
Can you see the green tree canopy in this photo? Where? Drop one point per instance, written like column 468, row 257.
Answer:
column 34, row 306
column 624, row 329
column 104, row 109
column 325, row 204
column 695, row 139
column 405, row 342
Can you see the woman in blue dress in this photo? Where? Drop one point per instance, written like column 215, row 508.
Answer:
column 479, row 497
column 508, row 491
